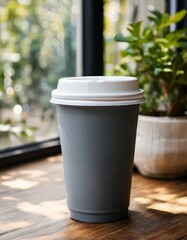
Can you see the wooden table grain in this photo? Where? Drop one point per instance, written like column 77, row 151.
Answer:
column 33, row 206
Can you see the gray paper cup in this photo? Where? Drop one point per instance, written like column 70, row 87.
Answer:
column 97, row 118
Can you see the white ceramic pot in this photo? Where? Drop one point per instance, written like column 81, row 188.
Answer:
column 161, row 146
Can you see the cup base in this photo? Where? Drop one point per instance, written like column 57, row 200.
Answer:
column 98, row 218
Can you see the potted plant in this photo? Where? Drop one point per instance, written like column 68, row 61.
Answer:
column 158, row 58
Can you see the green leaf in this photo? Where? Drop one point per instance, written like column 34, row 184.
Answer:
column 157, row 14
column 183, row 43
column 152, row 19
column 161, row 40
column 179, row 72
column 165, row 19
column 121, row 38
column 177, row 17
column 136, row 28
column 167, row 70
column 129, row 51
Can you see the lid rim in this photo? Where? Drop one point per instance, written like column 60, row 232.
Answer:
column 99, row 97
column 100, row 78
column 96, row 103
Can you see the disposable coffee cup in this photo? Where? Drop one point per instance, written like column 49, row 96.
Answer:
column 97, row 118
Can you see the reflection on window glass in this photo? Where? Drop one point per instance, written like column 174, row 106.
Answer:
column 37, row 47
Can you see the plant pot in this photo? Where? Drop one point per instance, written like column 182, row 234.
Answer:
column 161, row 147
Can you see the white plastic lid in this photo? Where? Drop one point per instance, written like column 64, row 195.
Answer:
column 97, row 91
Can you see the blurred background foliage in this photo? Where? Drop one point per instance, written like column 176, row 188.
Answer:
column 115, row 20
column 37, row 47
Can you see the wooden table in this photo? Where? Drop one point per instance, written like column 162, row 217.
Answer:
column 33, row 206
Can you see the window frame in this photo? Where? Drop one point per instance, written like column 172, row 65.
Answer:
column 29, row 152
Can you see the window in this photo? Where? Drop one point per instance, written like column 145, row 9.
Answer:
column 41, row 41
column 37, row 41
